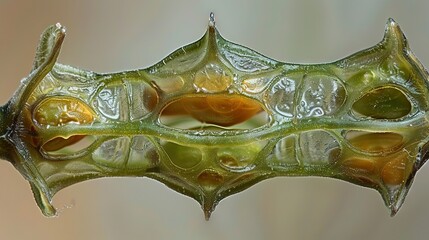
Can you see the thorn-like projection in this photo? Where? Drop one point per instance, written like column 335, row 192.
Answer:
column 214, row 118
column 394, row 36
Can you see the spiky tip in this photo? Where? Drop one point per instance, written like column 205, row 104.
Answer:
column 212, row 21
column 394, row 38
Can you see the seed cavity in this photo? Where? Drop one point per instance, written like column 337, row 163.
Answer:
column 394, row 172
column 219, row 109
column 210, row 178
column 181, row 156
column 212, row 79
column 380, row 143
column 382, row 103
column 62, row 110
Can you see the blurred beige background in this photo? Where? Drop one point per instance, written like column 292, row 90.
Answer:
column 107, row 36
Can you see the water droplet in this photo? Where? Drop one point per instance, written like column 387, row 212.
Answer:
column 212, row 20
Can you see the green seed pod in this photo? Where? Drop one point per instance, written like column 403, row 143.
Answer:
column 214, row 118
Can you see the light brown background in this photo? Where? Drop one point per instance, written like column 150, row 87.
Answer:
column 110, row 36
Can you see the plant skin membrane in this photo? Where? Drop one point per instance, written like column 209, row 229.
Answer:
column 214, row 118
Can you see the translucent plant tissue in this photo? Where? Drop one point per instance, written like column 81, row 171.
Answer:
column 214, row 118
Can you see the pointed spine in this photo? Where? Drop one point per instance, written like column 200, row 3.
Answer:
column 46, row 57
column 394, row 38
